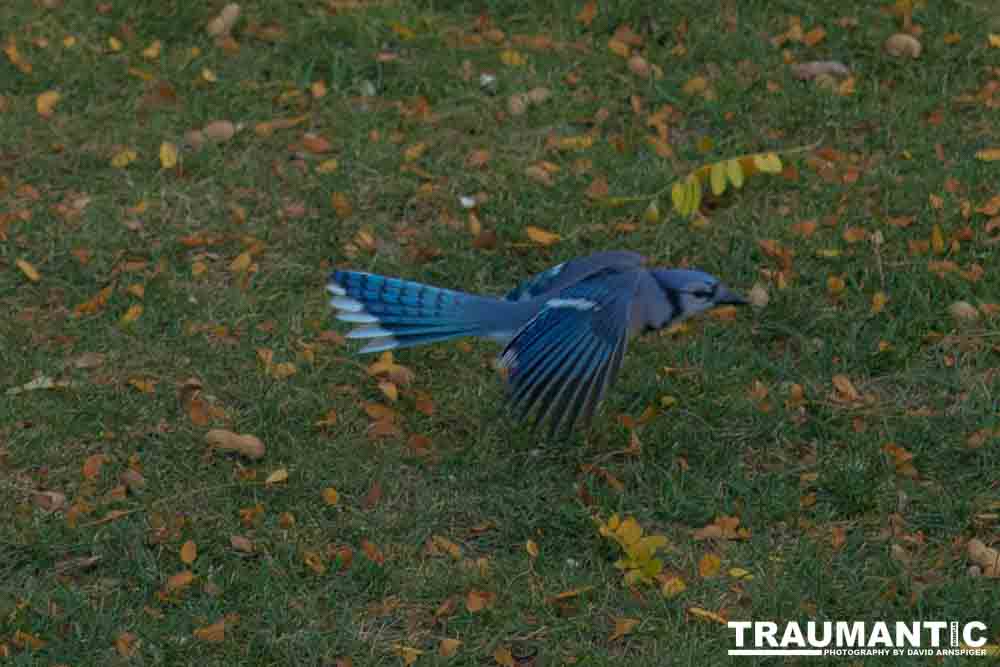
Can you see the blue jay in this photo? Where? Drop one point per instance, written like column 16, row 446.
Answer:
column 565, row 329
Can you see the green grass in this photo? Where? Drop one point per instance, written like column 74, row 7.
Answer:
column 484, row 482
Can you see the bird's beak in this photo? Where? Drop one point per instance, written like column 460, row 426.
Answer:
column 724, row 295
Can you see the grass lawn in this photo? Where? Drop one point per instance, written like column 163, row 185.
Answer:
column 156, row 284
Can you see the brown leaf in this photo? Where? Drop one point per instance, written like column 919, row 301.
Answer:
column 845, row 388
column 623, row 626
column 476, row 601
column 373, row 496
column 541, row 236
column 179, row 581
column 214, row 633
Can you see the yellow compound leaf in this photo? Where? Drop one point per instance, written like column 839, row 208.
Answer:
column 168, row 155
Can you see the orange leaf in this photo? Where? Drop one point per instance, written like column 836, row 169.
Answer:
column 372, row 552
column 476, row 601
column 845, row 388
column 92, row 466
column 341, row 205
column 448, row 647
column 330, row 496
column 623, row 626
column 179, row 581
column 587, row 14
column 46, row 102
column 707, row 615
column 709, row 565
column 214, row 633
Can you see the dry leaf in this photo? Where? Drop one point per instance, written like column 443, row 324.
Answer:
column 188, row 552
column 448, row 647
column 623, row 626
column 902, row 45
column 247, row 445
column 709, row 565
column 541, row 236
column 845, row 388
column 330, row 496
column 277, row 477
column 476, row 601
column 587, row 13
column 168, row 155
column 214, row 633
column 29, row 271
column 46, row 102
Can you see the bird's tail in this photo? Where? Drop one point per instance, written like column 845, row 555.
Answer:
column 396, row 313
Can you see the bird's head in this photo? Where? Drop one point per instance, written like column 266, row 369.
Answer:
column 692, row 292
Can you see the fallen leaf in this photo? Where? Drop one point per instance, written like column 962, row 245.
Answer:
column 214, row 633
column 277, row 477
column 330, row 496
column 28, row 269
column 448, row 647
column 168, row 155
column 709, row 565
column 46, row 102
column 188, row 552
column 623, row 626
column 541, row 236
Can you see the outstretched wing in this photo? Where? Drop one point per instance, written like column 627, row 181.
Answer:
column 560, row 364
column 561, row 276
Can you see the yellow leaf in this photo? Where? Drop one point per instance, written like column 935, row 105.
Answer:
column 879, row 299
column 29, row 271
column 168, row 155
column 768, row 163
column 504, row 657
column 115, row 44
column 330, row 496
column 46, row 102
column 442, row 543
column 994, row 41
column 835, row 284
column 132, row 314
column 189, row 552
column 277, row 477
column 623, row 626
column 739, row 573
column 341, row 205
column 512, row 58
column 718, row 178
column 707, row 615
column 694, row 194
column 531, row 548
column 402, row 31
column 652, row 212
column 988, row 154
column 241, row 263
column 576, row 143
column 448, row 647
column 327, row 166
column 619, row 47
column 540, row 236
column 124, row 158
column 845, row 388
column 144, row 385
column 152, row 52
column 678, row 195
column 735, row 172
column 696, row 85
column 208, row 75
column 673, row 587
column 937, row 240
column 414, row 152
column 709, row 565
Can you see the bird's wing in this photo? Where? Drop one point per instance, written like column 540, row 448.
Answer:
column 561, row 276
column 563, row 360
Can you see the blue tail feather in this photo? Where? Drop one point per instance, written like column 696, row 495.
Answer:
column 398, row 313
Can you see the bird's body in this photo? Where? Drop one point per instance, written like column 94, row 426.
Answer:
column 565, row 330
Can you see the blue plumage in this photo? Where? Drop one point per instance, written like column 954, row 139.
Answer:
column 566, row 329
